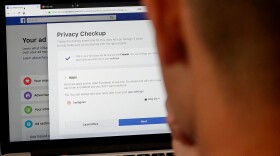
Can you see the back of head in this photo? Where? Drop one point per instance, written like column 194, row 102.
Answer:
column 243, row 36
column 220, row 62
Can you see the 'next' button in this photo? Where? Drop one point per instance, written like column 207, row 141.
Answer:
column 142, row 121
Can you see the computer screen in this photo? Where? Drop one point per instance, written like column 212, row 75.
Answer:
column 82, row 70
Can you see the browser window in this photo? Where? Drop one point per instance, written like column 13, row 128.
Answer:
column 82, row 72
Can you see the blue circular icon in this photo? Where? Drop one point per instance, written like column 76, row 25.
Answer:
column 28, row 124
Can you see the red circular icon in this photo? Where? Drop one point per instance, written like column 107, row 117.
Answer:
column 27, row 81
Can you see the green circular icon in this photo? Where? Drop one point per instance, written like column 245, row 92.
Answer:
column 28, row 109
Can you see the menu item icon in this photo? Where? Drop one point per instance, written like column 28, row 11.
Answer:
column 27, row 81
column 28, row 124
column 69, row 103
column 27, row 95
column 28, row 109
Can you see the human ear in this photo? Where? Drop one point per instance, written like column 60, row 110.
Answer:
column 165, row 15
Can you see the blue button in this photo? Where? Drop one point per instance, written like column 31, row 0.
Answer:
column 142, row 121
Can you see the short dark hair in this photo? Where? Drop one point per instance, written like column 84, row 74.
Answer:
column 225, row 23
column 242, row 34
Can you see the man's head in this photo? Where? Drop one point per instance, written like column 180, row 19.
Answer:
column 220, row 62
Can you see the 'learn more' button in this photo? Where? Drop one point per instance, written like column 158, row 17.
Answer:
column 142, row 121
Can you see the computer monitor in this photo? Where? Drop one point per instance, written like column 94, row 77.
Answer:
column 82, row 72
